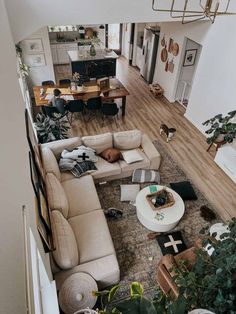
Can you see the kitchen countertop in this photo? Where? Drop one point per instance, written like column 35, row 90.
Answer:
column 75, row 55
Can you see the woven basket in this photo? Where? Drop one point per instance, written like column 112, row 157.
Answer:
column 170, row 199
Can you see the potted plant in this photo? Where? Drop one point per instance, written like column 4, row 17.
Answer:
column 49, row 130
column 221, row 128
column 211, row 282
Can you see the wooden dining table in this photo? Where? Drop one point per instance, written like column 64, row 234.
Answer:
column 116, row 90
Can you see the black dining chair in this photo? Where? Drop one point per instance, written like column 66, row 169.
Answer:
column 109, row 109
column 48, row 83
column 65, row 82
column 50, row 111
column 93, row 105
column 74, row 106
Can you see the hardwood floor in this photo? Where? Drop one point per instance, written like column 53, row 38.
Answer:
column 188, row 147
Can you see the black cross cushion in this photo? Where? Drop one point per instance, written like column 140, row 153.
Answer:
column 171, row 243
column 185, row 190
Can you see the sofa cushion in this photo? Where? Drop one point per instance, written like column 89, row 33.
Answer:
column 105, row 169
column 57, row 199
column 82, row 195
column 92, row 236
column 58, row 146
column 50, row 163
column 143, row 164
column 67, row 175
column 127, row 139
column 98, row 142
column 66, row 251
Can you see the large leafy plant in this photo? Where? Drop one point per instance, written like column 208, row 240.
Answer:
column 221, row 125
column 137, row 303
column 211, row 283
column 49, row 130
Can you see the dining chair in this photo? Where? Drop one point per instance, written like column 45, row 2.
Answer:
column 93, row 105
column 50, row 111
column 110, row 109
column 65, row 82
column 75, row 106
column 48, row 83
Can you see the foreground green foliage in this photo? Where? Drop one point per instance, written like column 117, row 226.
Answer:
column 210, row 284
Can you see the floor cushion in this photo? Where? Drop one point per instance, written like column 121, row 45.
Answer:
column 128, row 192
column 171, row 243
column 185, row 190
column 145, row 175
column 92, row 235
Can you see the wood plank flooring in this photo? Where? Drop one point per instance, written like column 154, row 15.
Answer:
column 188, row 147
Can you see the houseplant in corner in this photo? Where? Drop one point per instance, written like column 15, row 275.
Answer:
column 221, row 128
column 49, row 130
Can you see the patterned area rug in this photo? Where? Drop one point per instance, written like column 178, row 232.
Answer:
column 137, row 255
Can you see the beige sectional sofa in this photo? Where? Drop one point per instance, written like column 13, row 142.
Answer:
column 81, row 236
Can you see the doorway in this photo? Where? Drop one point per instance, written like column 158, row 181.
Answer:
column 191, row 56
column 114, row 37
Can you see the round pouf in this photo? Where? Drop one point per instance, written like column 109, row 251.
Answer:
column 76, row 293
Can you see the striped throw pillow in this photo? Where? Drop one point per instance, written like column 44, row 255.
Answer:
column 145, row 175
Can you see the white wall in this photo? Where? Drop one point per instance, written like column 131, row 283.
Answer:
column 15, row 186
column 178, row 32
column 214, row 84
column 42, row 73
column 213, row 89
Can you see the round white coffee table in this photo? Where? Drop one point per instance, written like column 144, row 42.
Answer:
column 159, row 220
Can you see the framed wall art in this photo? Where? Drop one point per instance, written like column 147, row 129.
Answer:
column 190, row 57
column 34, row 147
column 34, row 45
column 37, row 60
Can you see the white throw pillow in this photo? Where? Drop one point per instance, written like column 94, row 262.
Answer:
column 131, row 156
column 81, row 153
column 128, row 192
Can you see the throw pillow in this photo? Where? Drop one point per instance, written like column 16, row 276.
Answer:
column 145, row 175
column 185, row 190
column 129, row 192
column 111, row 154
column 131, row 156
column 171, row 243
column 83, row 167
column 81, row 153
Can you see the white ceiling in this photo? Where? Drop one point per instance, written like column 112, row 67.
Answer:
column 27, row 16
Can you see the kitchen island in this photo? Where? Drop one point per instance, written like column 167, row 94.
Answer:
column 100, row 65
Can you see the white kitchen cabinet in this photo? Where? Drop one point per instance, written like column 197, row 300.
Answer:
column 59, row 52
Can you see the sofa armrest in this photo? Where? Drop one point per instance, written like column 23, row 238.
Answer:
column 151, row 152
column 58, row 146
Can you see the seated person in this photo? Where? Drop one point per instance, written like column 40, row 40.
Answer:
column 57, row 101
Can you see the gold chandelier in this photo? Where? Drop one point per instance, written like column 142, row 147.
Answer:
column 207, row 9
